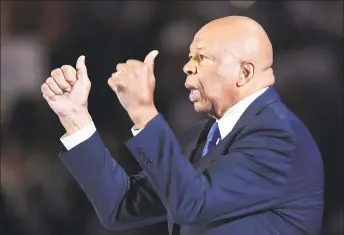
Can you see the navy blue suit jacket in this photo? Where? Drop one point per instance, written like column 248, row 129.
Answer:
column 266, row 177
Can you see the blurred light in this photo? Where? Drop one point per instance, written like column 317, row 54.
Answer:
column 322, row 16
column 107, row 11
column 23, row 65
column 314, row 64
column 177, row 36
column 214, row 9
column 242, row 4
column 137, row 13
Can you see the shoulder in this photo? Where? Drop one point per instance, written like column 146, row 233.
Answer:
column 270, row 128
column 277, row 116
column 273, row 119
column 277, row 122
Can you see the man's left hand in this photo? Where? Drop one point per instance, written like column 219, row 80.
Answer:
column 134, row 84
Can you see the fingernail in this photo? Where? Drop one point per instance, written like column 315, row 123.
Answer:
column 68, row 89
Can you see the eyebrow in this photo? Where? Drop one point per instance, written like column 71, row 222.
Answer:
column 199, row 48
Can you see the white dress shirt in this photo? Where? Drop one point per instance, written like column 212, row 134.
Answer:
column 226, row 123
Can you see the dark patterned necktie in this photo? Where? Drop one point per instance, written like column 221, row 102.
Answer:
column 212, row 138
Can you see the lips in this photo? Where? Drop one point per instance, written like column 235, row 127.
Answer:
column 194, row 94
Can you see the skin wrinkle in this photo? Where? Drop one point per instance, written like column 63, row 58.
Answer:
column 237, row 62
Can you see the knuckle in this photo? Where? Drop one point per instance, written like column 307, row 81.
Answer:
column 121, row 66
column 138, row 72
column 69, row 70
column 43, row 87
column 50, row 80
column 67, row 67
column 111, row 79
column 56, row 72
column 114, row 81
column 131, row 61
column 88, row 84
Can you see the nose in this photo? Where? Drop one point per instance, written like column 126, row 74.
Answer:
column 190, row 69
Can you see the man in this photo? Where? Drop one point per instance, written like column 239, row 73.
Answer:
column 252, row 168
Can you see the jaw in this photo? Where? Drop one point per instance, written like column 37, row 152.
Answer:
column 207, row 108
column 202, row 106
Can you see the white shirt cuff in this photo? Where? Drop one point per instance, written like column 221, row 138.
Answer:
column 135, row 131
column 78, row 137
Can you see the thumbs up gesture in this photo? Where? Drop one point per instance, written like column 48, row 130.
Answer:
column 66, row 92
column 134, row 84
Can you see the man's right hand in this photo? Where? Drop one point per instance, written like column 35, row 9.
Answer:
column 66, row 92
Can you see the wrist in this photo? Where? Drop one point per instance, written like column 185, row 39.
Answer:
column 141, row 117
column 75, row 121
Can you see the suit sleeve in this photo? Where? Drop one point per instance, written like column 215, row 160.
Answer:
column 120, row 201
column 252, row 176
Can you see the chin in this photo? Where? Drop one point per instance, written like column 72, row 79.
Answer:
column 202, row 107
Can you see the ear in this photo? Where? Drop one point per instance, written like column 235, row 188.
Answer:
column 246, row 73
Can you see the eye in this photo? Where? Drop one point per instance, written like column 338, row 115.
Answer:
column 201, row 57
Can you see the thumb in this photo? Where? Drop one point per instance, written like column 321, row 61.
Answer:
column 149, row 60
column 81, row 70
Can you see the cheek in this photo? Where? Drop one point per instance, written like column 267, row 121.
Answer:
column 208, row 82
column 211, row 88
column 228, row 68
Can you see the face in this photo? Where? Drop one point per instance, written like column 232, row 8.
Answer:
column 212, row 73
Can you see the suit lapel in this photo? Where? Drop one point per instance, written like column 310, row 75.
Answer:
column 218, row 150
column 191, row 138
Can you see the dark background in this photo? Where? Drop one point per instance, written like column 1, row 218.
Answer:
column 39, row 196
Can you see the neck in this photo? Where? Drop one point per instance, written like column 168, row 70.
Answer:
column 261, row 80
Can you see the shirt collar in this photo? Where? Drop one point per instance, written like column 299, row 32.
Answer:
column 233, row 114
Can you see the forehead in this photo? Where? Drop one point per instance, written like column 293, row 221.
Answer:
column 200, row 41
column 208, row 40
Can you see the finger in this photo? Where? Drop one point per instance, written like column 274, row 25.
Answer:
column 149, row 60
column 116, row 84
column 69, row 74
column 81, row 69
column 122, row 67
column 134, row 62
column 59, row 78
column 48, row 94
column 116, row 75
column 53, row 86
column 112, row 83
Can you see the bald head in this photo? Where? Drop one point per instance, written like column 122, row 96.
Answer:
column 242, row 37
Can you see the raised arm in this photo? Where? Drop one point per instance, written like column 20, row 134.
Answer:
column 120, row 201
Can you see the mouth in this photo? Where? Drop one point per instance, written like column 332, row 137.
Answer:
column 194, row 94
